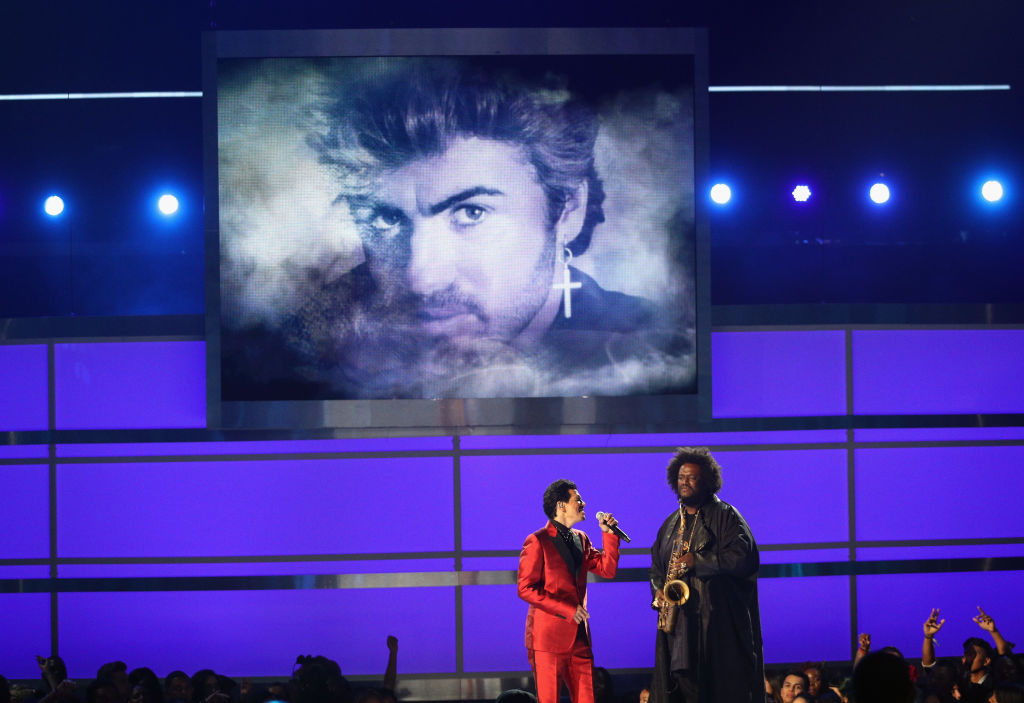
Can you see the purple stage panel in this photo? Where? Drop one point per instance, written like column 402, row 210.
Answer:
column 24, row 517
column 817, row 512
column 493, row 629
column 893, row 607
column 804, row 556
column 311, row 446
column 23, row 387
column 256, row 508
column 775, row 374
column 623, row 624
column 956, row 551
column 937, row 371
column 276, row 568
column 634, row 561
column 130, row 385
column 259, row 633
column 490, row 563
column 626, row 561
column 24, row 571
column 713, row 439
column 902, row 492
column 939, row 434
column 25, row 622
column 805, row 619
column 25, row 451
column 494, row 622
column 504, row 494
column 788, row 496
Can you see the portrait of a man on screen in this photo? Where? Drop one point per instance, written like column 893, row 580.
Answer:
column 467, row 228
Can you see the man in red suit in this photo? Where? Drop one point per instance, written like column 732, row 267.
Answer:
column 553, row 570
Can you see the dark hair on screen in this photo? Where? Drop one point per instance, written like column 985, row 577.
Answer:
column 710, row 470
column 557, row 492
column 416, row 110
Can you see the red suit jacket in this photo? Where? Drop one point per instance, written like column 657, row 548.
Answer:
column 547, row 583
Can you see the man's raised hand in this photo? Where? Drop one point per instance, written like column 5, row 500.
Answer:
column 932, row 625
column 985, row 621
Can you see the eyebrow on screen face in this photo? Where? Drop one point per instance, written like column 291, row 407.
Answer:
column 461, row 196
column 378, row 206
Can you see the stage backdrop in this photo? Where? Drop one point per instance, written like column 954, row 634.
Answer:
column 134, row 533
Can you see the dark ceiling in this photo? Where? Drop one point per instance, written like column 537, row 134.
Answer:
column 938, row 249
column 154, row 44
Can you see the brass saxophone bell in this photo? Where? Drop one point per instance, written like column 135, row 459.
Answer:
column 674, row 594
column 677, row 592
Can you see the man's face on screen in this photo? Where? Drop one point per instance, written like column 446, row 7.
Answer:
column 460, row 247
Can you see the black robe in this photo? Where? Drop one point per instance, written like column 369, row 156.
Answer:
column 726, row 650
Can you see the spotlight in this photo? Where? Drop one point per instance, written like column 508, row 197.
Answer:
column 992, row 191
column 879, row 193
column 721, row 193
column 801, row 194
column 53, row 206
column 167, row 204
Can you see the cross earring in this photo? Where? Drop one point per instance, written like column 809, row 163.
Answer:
column 567, row 285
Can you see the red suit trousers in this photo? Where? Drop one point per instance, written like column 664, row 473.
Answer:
column 575, row 668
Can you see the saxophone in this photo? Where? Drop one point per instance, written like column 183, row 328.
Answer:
column 675, row 592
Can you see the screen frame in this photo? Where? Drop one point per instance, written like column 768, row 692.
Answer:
column 460, row 415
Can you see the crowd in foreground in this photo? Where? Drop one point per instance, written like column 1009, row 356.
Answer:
column 314, row 679
column 986, row 672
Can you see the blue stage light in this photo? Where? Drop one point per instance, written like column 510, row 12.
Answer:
column 992, row 191
column 167, row 204
column 802, row 194
column 53, row 205
column 879, row 193
column 721, row 193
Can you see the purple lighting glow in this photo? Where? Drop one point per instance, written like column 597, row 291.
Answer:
column 24, row 522
column 766, row 374
column 23, row 387
column 128, row 385
column 203, row 629
column 26, row 615
column 937, row 371
column 253, row 508
column 896, row 487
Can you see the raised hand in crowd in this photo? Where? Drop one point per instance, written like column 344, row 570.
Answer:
column 391, row 672
column 986, row 623
column 54, row 671
column 931, row 626
column 59, row 688
column 64, row 693
column 863, row 646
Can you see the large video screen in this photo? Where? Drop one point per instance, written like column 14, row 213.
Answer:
column 497, row 219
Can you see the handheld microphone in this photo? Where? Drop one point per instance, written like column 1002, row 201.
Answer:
column 615, row 529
